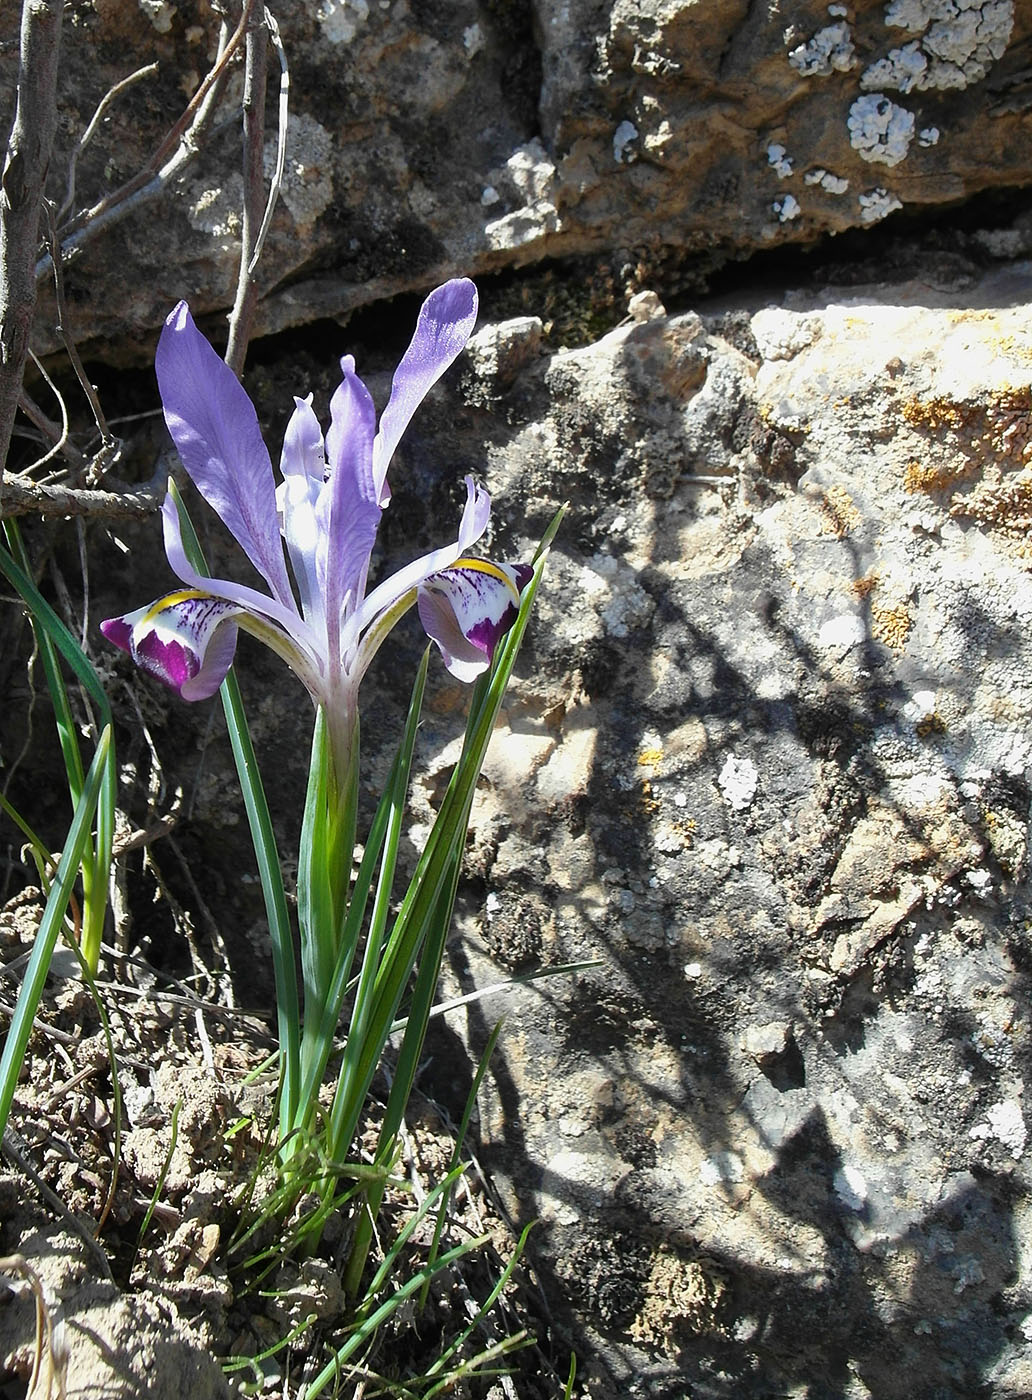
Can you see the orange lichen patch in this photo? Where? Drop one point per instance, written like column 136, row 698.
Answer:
column 1012, row 347
column 863, row 587
column 650, row 758
column 1003, row 506
column 890, row 624
column 935, row 476
column 839, row 513
column 938, row 413
column 647, row 801
column 999, row 426
column 930, row 724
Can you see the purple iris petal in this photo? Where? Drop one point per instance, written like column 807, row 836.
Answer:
column 186, row 640
column 215, row 429
column 349, row 510
column 467, row 609
column 303, row 451
column 475, row 516
column 288, row 619
column 445, row 322
column 326, row 511
column 303, row 464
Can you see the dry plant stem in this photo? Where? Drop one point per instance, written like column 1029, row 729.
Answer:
column 177, row 150
column 21, row 189
column 46, row 1351
column 58, row 433
column 88, row 135
column 281, row 140
column 62, row 325
column 19, row 497
column 246, row 299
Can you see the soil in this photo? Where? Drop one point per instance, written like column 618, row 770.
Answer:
column 134, row 1170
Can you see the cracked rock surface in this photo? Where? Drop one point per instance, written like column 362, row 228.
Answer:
column 428, row 139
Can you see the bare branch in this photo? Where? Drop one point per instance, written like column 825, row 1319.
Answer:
column 59, row 436
column 71, row 349
column 246, row 300
column 281, row 141
column 180, row 146
column 88, row 135
column 25, row 170
column 21, row 497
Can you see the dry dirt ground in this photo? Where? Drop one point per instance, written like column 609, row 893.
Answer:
column 133, row 1171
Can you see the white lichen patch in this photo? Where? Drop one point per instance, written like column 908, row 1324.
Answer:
column 1005, row 1123
column 833, row 184
column 738, row 780
column 829, row 51
column 841, row 634
column 159, row 12
column 307, row 187
column 901, row 69
column 850, row 1187
column 782, row 334
column 723, row 1168
column 879, row 130
column 920, row 708
column 215, row 210
column 877, row 204
column 781, row 161
column 342, row 19
column 960, row 41
column 787, row 208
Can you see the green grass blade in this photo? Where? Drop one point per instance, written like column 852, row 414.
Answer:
column 18, row 576
column 55, row 640
column 50, row 928
column 485, row 1307
column 364, row 1334
column 369, row 1317
column 40, row 853
column 460, row 1138
column 446, row 837
column 381, row 849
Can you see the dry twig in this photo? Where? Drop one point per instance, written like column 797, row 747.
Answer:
column 246, row 299
column 21, row 190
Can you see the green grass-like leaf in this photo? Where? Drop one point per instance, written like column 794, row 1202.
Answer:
column 50, row 928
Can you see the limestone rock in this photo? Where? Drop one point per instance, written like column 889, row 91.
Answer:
column 768, row 757
column 429, row 140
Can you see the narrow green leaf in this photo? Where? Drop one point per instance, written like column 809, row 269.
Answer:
column 381, row 847
column 447, row 836
column 55, row 640
column 50, row 929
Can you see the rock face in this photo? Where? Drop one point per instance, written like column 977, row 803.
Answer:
column 769, row 761
column 428, row 139
column 769, row 758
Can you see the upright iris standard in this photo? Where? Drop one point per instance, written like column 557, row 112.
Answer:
column 311, row 540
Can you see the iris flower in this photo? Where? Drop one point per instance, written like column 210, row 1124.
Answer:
column 317, row 612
